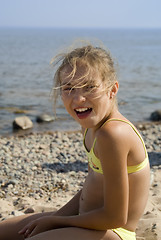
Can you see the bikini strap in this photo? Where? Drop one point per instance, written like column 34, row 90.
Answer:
column 121, row 120
column 138, row 167
column 85, row 133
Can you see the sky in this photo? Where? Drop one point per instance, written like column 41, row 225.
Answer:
column 81, row 13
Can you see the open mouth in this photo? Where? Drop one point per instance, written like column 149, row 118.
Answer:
column 83, row 112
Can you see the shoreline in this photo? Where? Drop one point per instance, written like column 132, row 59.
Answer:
column 42, row 171
column 140, row 125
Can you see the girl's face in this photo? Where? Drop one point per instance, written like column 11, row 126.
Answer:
column 86, row 101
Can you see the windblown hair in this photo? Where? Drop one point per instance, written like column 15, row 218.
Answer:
column 92, row 59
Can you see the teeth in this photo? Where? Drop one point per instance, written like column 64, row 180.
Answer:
column 82, row 109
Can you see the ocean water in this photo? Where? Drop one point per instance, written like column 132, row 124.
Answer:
column 26, row 76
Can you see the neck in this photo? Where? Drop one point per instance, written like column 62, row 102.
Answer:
column 113, row 114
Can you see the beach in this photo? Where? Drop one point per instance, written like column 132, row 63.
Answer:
column 42, row 171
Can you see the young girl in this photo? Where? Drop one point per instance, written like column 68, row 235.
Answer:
column 115, row 191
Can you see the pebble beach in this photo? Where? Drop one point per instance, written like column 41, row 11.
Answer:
column 42, row 171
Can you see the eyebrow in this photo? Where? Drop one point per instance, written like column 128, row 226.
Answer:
column 66, row 84
column 69, row 84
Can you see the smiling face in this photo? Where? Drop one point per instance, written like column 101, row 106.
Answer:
column 85, row 98
column 88, row 69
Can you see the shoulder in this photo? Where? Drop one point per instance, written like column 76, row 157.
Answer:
column 114, row 130
column 113, row 136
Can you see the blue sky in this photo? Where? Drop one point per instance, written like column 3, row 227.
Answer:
column 81, row 13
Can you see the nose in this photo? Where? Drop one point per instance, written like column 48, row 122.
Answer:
column 79, row 96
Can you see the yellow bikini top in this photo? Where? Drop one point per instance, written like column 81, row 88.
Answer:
column 95, row 163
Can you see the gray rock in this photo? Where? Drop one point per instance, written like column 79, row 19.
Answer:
column 156, row 115
column 45, row 118
column 22, row 122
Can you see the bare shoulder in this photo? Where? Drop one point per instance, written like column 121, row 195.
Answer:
column 114, row 131
column 112, row 148
column 114, row 138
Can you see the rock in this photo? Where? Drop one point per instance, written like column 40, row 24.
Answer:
column 45, row 118
column 156, row 116
column 29, row 210
column 17, row 213
column 6, row 184
column 22, row 122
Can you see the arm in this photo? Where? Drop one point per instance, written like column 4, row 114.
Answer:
column 71, row 208
column 112, row 150
column 45, row 223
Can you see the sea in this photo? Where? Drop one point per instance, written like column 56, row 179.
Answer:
column 26, row 75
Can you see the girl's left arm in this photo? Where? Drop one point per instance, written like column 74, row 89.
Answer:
column 112, row 150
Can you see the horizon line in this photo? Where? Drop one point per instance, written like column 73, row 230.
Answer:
column 81, row 28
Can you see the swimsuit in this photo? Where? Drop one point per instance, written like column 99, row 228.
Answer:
column 95, row 164
column 125, row 234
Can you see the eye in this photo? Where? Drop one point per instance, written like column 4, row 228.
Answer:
column 89, row 87
column 67, row 89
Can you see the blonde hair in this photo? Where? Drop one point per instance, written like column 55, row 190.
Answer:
column 91, row 58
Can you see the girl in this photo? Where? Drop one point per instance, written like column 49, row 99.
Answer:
column 115, row 191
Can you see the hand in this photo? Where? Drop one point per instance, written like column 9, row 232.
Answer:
column 37, row 226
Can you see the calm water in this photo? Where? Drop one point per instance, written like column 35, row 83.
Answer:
column 26, row 75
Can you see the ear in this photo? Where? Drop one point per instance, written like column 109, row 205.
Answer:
column 114, row 90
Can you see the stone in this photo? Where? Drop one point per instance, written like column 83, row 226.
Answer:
column 156, row 115
column 45, row 118
column 17, row 213
column 29, row 210
column 22, row 122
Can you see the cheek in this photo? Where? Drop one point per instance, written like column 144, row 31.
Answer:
column 102, row 102
column 64, row 99
column 66, row 104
